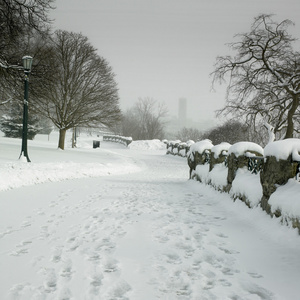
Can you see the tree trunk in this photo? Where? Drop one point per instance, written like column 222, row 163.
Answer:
column 61, row 141
column 74, row 137
column 291, row 113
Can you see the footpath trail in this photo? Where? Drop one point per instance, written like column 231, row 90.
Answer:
column 143, row 236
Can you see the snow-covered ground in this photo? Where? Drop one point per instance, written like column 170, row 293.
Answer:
column 120, row 223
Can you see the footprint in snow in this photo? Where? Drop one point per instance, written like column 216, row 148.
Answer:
column 105, row 245
column 66, row 270
column 229, row 271
column 110, row 265
column 224, row 282
column 65, row 294
column 23, row 243
column 255, row 275
column 50, row 281
column 44, row 233
column 162, row 238
column 257, row 290
column 93, row 256
column 228, row 251
column 53, row 204
column 26, row 224
column 189, row 250
column 222, row 235
column 118, row 290
column 173, row 258
column 95, row 281
column 39, row 212
column 19, row 252
column 35, row 260
column 74, row 242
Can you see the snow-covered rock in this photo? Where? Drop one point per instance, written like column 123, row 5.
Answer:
column 201, row 146
column 218, row 149
column 286, row 198
column 240, row 148
column 283, row 149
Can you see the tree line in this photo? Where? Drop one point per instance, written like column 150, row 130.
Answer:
column 70, row 84
column 263, row 90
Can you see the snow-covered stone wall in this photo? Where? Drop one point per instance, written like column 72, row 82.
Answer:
column 269, row 178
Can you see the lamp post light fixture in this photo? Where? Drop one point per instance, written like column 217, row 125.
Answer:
column 27, row 63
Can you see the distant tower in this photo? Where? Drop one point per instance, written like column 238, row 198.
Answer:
column 182, row 104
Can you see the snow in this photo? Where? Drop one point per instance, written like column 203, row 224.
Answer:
column 202, row 172
column 218, row 149
column 124, row 223
column 244, row 184
column 286, row 198
column 218, row 176
column 147, row 145
column 201, row 146
column 19, row 173
column 252, row 190
column 282, row 149
column 241, row 147
column 190, row 142
column 182, row 152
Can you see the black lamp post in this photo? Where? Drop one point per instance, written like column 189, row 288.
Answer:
column 27, row 63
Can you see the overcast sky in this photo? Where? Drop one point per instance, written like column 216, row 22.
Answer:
column 166, row 49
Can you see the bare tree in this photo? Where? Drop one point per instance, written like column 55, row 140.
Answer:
column 83, row 92
column 186, row 134
column 145, row 120
column 18, row 18
column 129, row 124
column 264, row 76
column 22, row 22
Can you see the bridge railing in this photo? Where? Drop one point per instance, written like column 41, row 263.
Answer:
column 117, row 139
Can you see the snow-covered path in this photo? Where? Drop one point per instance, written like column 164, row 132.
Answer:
column 146, row 235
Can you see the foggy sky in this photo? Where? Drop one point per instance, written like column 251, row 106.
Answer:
column 166, row 49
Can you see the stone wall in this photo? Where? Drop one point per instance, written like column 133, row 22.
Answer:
column 273, row 172
column 221, row 158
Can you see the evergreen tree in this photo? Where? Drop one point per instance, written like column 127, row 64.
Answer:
column 11, row 123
